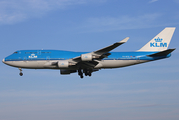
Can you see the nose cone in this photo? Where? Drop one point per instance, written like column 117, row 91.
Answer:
column 3, row 61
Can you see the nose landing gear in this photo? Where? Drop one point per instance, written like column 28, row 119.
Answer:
column 21, row 74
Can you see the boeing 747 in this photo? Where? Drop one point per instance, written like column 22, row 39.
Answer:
column 85, row 63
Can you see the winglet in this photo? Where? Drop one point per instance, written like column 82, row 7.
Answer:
column 124, row 40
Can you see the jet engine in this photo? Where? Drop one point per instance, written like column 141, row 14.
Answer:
column 63, row 64
column 86, row 57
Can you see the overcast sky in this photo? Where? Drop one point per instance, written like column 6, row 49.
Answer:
column 147, row 91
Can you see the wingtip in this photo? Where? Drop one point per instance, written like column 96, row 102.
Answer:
column 124, row 40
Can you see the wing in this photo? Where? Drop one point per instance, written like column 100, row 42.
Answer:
column 86, row 63
column 111, row 47
column 100, row 54
column 89, row 60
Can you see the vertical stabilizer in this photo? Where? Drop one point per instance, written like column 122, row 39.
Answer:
column 161, row 41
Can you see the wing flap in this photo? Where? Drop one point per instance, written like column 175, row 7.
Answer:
column 89, row 64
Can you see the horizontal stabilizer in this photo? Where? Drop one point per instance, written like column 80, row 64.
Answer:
column 162, row 53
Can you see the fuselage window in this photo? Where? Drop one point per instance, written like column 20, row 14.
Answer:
column 45, row 52
column 30, row 52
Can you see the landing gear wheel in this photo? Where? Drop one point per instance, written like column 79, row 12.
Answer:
column 21, row 74
column 81, row 76
column 86, row 73
column 80, row 73
column 89, row 73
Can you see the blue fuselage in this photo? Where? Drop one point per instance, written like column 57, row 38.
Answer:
column 58, row 59
column 35, row 55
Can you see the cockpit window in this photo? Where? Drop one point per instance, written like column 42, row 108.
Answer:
column 15, row 52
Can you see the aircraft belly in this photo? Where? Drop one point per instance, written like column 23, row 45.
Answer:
column 120, row 63
column 27, row 64
column 44, row 64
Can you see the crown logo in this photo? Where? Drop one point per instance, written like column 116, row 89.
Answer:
column 158, row 39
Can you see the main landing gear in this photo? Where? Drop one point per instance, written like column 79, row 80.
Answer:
column 80, row 73
column 21, row 74
column 85, row 71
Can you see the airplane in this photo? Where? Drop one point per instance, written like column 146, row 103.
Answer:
column 84, row 63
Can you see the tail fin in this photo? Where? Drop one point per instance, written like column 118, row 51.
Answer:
column 161, row 41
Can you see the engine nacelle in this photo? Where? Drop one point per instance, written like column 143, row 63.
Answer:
column 63, row 64
column 86, row 57
column 66, row 72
